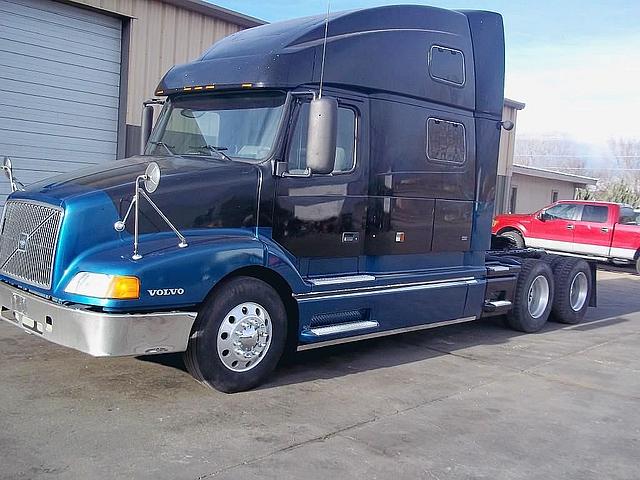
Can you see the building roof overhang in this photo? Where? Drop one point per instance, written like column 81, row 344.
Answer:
column 578, row 180
column 212, row 10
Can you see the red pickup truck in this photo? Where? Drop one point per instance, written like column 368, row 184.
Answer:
column 601, row 230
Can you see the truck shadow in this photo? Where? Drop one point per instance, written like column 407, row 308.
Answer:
column 616, row 297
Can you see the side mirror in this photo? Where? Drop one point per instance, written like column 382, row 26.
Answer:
column 544, row 216
column 322, row 134
column 146, row 125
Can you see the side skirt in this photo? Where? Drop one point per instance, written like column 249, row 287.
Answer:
column 337, row 341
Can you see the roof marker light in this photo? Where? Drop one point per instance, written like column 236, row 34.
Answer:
column 210, row 87
column 197, row 88
column 187, row 89
column 247, row 85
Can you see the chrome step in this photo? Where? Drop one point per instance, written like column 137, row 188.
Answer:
column 343, row 327
column 497, row 305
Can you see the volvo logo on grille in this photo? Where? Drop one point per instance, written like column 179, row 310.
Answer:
column 23, row 241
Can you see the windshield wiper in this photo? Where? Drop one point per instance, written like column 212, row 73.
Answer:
column 165, row 146
column 213, row 148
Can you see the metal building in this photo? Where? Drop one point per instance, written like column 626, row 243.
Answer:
column 526, row 189
column 74, row 74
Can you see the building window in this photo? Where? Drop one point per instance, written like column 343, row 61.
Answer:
column 513, row 200
column 595, row 213
column 446, row 65
column 445, row 141
column 554, row 196
column 345, row 144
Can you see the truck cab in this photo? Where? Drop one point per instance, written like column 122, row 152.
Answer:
column 307, row 182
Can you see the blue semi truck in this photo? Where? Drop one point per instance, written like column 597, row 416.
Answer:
column 306, row 183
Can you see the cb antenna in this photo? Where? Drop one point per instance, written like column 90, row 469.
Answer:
column 324, row 46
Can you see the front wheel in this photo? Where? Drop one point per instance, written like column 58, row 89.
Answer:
column 638, row 265
column 238, row 336
column 516, row 239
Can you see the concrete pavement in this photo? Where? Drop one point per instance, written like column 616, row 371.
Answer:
column 466, row 401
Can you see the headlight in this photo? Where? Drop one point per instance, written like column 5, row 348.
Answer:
column 101, row 285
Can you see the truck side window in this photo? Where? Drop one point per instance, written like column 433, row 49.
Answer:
column 563, row 211
column 446, row 65
column 595, row 213
column 445, row 141
column 628, row 216
column 345, row 145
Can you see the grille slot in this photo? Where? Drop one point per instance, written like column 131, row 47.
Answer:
column 28, row 241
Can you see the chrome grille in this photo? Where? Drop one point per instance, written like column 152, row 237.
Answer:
column 28, row 241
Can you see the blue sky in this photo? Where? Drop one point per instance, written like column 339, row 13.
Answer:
column 576, row 64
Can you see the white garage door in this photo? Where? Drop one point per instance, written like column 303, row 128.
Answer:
column 59, row 88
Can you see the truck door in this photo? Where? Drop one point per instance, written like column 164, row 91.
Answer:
column 321, row 219
column 594, row 231
column 555, row 229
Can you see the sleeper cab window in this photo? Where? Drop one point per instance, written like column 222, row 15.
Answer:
column 345, row 145
column 446, row 65
column 446, row 141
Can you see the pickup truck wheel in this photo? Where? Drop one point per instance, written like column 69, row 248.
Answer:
column 516, row 239
column 238, row 336
column 573, row 289
column 533, row 296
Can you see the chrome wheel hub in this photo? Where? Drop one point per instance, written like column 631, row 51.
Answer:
column 244, row 337
column 578, row 291
column 538, row 297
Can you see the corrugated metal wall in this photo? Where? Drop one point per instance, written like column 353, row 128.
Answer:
column 59, row 87
column 162, row 35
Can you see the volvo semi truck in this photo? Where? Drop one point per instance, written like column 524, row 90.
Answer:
column 308, row 182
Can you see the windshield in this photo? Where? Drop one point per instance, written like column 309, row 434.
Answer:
column 240, row 125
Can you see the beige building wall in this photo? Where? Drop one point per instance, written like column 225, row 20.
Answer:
column 534, row 193
column 160, row 35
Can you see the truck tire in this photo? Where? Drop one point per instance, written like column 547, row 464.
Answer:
column 515, row 237
column 238, row 336
column 552, row 260
column 572, row 278
column 533, row 296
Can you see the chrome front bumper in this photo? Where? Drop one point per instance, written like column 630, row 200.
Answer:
column 95, row 333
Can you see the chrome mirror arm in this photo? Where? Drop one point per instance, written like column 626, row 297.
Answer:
column 119, row 226
column 183, row 241
column 8, row 170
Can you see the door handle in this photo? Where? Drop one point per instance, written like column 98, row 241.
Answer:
column 350, row 237
column 604, row 229
column 570, row 227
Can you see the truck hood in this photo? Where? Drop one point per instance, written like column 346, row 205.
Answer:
column 514, row 217
column 194, row 192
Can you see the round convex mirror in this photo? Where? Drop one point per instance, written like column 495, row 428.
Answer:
column 6, row 166
column 152, row 180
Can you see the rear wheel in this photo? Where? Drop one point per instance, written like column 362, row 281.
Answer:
column 238, row 336
column 533, row 296
column 638, row 265
column 573, row 290
column 514, row 237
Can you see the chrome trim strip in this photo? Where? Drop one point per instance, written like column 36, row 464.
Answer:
column 403, row 287
column 344, row 327
column 344, row 279
column 338, row 341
